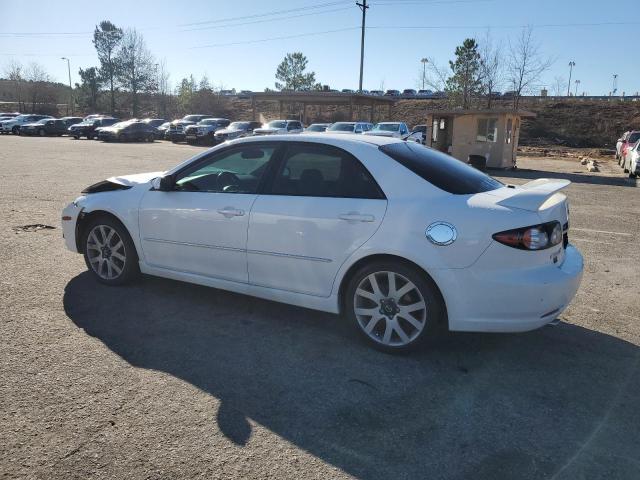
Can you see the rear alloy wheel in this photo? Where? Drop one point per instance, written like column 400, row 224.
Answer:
column 393, row 306
column 109, row 252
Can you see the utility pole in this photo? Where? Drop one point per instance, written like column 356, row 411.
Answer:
column 571, row 65
column 70, row 88
column 424, row 70
column 363, row 6
column 615, row 84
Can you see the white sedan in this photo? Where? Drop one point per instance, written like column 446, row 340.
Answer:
column 398, row 238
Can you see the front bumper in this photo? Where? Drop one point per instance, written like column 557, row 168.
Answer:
column 69, row 222
column 176, row 136
column 481, row 299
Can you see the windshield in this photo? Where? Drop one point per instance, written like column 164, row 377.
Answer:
column 317, row 128
column 191, row 118
column 43, row 121
column 238, row 126
column 120, row 124
column 387, row 127
column 441, row 170
column 342, row 127
column 277, row 124
column 634, row 137
column 208, row 121
column 165, row 125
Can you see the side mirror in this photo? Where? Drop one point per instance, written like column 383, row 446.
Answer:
column 163, row 184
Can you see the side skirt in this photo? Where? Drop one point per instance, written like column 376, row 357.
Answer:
column 325, row 304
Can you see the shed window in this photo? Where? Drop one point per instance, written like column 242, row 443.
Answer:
column 509, row 131
column 487, row 130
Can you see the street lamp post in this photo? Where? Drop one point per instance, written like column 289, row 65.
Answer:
column 70, row 88
column 614, row 89
column 576, row 91
column 424, row 71
column 571, row 65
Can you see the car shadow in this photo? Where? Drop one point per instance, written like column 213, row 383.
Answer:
column 529, row 174
column 554, row 401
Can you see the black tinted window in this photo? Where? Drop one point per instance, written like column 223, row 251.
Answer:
column 442, row 171
column 314, row 170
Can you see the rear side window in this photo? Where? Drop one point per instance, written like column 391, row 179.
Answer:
column 634, row 137
column 314, row 170
column 440, row 170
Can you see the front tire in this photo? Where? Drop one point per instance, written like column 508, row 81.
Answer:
column 394, row 306
column 109, row 252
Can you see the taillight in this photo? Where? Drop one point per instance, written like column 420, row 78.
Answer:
column 536, row 237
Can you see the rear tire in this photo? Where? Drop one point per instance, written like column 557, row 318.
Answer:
column 109, row 252
column 394, row 306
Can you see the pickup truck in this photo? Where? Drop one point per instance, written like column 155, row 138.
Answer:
column 204, row 131
column 176, row 130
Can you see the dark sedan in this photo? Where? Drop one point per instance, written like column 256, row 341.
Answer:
column 87, row 128
column 44, row 127
column 128, row 131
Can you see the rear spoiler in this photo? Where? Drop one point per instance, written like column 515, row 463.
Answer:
column 532, row 195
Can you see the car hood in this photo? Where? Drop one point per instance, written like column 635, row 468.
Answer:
column 380, row 133
column 227, row 131
column 108, row 129
column 136, row 179
column 268, row 130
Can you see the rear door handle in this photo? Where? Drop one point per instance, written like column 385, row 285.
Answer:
column 352, row 217
column 231, row 212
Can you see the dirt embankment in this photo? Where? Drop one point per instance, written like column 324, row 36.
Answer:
column 571, row 123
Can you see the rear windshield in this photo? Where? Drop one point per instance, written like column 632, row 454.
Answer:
column 440, row 170
column 342, row 127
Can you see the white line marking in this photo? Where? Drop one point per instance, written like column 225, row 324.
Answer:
column 602, row 231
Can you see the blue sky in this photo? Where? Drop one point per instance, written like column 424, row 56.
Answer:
column 194, row 36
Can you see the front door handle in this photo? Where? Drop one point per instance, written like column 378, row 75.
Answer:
column 231, row 212
column 352, row 217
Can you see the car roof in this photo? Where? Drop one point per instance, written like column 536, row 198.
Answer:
column 353, row 138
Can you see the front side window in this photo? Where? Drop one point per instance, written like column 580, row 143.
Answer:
column 487, row 130
column 236, row 170
column 315, row 170
column 439, row 169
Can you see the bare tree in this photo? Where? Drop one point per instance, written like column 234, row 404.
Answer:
column 525, row 64
column 14, row 72
column 436, row 76
column 136, row 70
column 491, row 67
column 164, row 88
column 38, row 86
column 559, row 86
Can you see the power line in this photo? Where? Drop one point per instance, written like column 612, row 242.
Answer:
column 285, row 37
column 267, row 14
column 212, row 27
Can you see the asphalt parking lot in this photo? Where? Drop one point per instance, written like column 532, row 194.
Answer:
column 164, row 380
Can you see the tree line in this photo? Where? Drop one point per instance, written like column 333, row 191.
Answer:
column 130, row 80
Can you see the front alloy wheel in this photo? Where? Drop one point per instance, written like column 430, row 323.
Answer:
column 109, row 252
column 394, row 306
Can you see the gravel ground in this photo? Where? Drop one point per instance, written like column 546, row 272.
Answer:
column 164, row 380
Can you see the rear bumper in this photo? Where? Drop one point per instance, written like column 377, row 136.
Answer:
column 516, row 300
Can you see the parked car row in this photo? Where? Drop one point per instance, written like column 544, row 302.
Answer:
column 628, row 152
column 35, row 124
